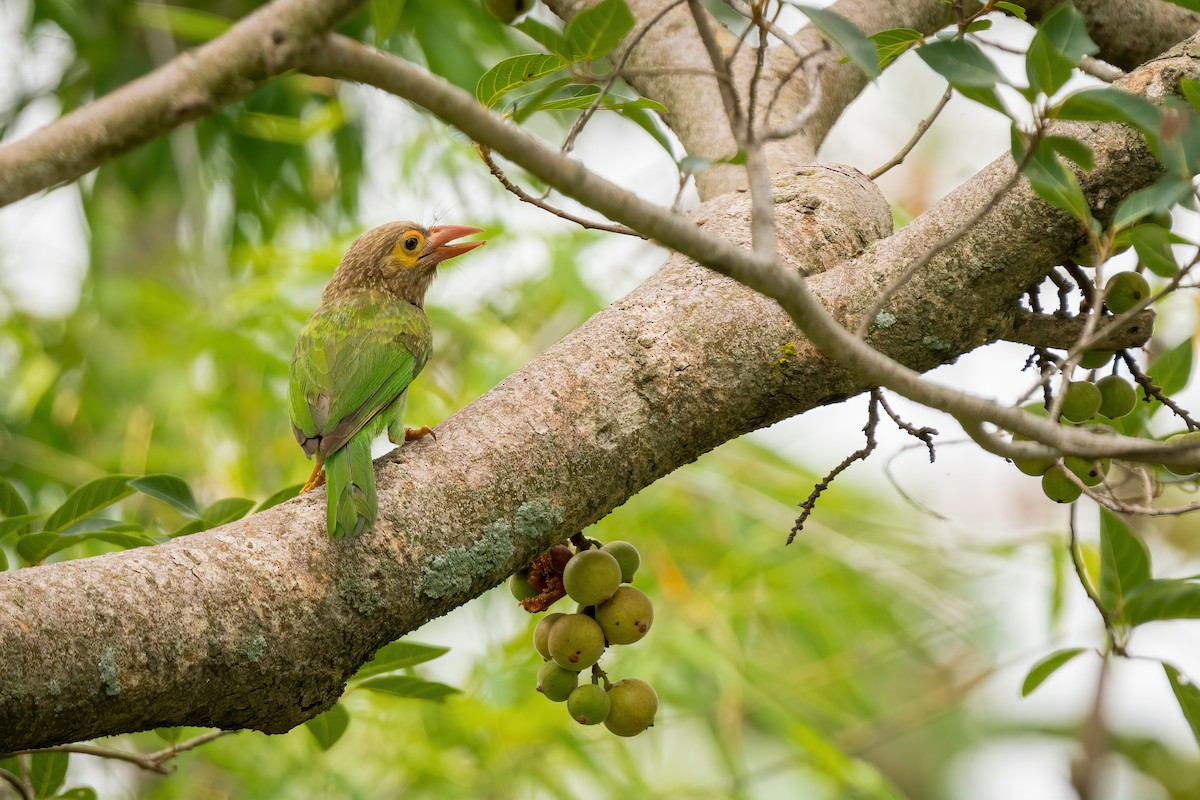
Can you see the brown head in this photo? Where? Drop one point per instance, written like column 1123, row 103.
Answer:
column 399, row 258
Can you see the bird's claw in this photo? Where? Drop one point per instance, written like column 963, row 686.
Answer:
column 412, row 434
column 315, row 480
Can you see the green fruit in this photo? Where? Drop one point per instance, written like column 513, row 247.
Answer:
column 589, row 704
column 627, row 556
column 520, row 587
column 1095, row 359
column 1192, row 437
column 1124, row 291
column 634, row 705
column 1117, row 396
column 541, row 633
column 555, row 682
column 1081, row 401
column 507, row 10
column 1031, row 466
column 1089, row 472
column 1059, row 488
column 591, row 577
column 576, row 642
column 626, row 616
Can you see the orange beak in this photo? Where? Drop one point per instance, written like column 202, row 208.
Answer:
column 440, row 238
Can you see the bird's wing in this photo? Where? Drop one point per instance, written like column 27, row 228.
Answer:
column 352, row 359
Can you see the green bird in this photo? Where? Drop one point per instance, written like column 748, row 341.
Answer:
column 357, row 355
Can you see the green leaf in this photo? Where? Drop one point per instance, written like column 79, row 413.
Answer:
column 1110, row 105
column 16, row 525
column 1056, row 184
column 1045, row 67
column 544, row 35
column 1190, row 5
column 585, row 100
column 961, row 63
column 1158, row 600
column 1171, row 370
column 1188, row 697
column 1011, row 8
column 1066, row 31
column 1047, row 667
column 171, row 490
column 3, row 560
column 1153, row 246
column 892, row 43
column 979, row 25
column 77, row 793
column 1190, row 87
column 1124, row 561
column 845, row 36
column 513, row 72
column 399, row 655
column 651, row 124
column 1160, row 196
column 124, row 539
column 409, row 686
column 37, row 547
column 11, row 504
column 985, row 96
column 225, row 511
column 329, row 726
column 282, row 496
column 88, row 498
column 385, row 17
column 1072, row 149
column 47, row 771
column 595, row 31
column 187, row 23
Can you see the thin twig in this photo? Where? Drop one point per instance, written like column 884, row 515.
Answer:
column 904, row 495
column 1151, row 390
column 486, row 155
column 918, row 134
column 153, row 762
column 924, row 434
column 806, row 508
column 1081, row 574
column 22, row 789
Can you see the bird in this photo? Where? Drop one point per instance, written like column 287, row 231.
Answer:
column 356, row 356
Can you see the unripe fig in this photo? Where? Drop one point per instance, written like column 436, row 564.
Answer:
column 634, row 705
column 541, row 633
column 591, row 577
column 589, row 704
column 1095, row 359
column 576, row 642
column 1081, row 401
column 1059, row 488
column 1124, row 291
column 507, row 10
column 520, row 586
column 1117, row 396
column 1090, row 472
column 1031, row 466
column 1192, row 438
column 555, row 682
column 627, row 556
column 626, row 616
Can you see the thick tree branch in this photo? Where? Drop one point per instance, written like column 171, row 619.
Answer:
column 196, row 83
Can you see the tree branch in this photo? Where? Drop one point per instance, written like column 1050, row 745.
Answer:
column 263, row 45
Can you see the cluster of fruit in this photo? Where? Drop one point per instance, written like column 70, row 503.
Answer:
column 609, row 613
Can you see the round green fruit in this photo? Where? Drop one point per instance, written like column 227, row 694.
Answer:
column 555, row 682
column 591, row 577
column 1095, row 359
column 1192, row 438
column 1117, row 396
column 541, row 633
column 634, row 705
column 626, row 616
column 576, row 642
column 507, row 10
column 1031, row 466
column 1124, row 291
column 1081, row 401
column 1089, row 472
column 589, row 704
column 1059, row 488
column 520, row 586
column 627, row 556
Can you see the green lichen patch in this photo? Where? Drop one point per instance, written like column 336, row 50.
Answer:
column 108, row 673
column 360, row 594
column 885, row 319
column 253, row 647
column 934, row 343
column 535, row 517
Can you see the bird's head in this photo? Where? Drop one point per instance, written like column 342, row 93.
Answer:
column 400, row 257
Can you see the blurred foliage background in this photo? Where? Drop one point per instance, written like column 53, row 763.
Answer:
column 871, row 659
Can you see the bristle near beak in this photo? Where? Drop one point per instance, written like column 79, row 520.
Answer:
column 440, row 238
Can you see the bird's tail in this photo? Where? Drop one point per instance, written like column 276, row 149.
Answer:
column 350, row 482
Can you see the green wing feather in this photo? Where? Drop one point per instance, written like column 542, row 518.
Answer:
column 354, row 359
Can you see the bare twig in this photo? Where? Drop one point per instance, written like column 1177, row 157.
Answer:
column 22, row 788
column 1062, row 333
column 924, row 434
column 1084, row 581
column 1152, row 391
column 152, row 762
column 486, row 155
column 806, row 508
column 1086, row 773
column 922, row 127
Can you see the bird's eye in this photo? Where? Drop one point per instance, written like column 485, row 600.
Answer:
column 410, row 244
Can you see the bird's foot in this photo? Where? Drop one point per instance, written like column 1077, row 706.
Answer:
column 412, row 434
column 316, row 479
